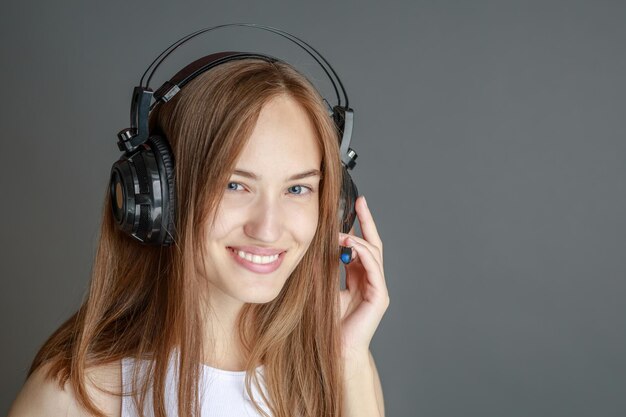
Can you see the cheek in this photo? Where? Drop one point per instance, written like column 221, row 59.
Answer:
column 222, row 226
column 212, row 240
column 305, row 224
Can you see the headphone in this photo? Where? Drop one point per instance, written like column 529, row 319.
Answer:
column 142, row 186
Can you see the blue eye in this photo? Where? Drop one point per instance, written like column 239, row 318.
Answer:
column 231, row 189
column 300, row 187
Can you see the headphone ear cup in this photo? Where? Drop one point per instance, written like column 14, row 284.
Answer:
column 347, row 201
column 166, row 166
column 122, row 194
column 143, row 194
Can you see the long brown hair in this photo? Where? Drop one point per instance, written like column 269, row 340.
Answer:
column 143, row 302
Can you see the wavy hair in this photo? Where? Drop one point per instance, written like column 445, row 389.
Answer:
column 143, row 302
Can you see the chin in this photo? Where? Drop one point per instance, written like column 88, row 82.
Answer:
column 260, row 300
column 259, row 297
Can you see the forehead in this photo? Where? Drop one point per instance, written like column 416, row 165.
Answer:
column 283, row 141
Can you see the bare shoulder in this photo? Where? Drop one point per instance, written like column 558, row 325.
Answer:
column 44, row 396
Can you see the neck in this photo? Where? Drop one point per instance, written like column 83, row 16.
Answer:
column 223, row 348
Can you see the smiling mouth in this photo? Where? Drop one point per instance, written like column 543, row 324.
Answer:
column 258, row 264
column 254, row 258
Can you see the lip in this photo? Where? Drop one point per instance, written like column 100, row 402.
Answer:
column 258, row 268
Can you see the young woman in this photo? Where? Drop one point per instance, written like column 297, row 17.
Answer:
column 243, row 314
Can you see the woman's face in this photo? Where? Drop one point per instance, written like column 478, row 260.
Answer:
column 267, row 217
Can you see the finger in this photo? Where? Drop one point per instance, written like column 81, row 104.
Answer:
column 343, row 241
column 368, row 226
column 372, row 266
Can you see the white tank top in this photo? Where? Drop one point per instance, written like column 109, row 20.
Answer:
column 222, row 393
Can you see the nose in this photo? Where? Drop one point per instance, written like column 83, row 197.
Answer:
column 264, row 222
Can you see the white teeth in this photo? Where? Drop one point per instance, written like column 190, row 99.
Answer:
column 257, row 259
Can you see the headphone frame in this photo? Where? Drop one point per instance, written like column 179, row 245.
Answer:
column 142, row 186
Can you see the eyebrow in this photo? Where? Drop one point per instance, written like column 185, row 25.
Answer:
column 306, row 174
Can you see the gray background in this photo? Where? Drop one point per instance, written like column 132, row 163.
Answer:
column 491, row 148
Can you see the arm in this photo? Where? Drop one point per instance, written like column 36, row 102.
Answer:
column 379, row 388
column 363, row 391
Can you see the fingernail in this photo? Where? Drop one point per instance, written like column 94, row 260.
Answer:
column 365, row 201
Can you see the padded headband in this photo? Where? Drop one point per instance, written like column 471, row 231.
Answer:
column 197, row 67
